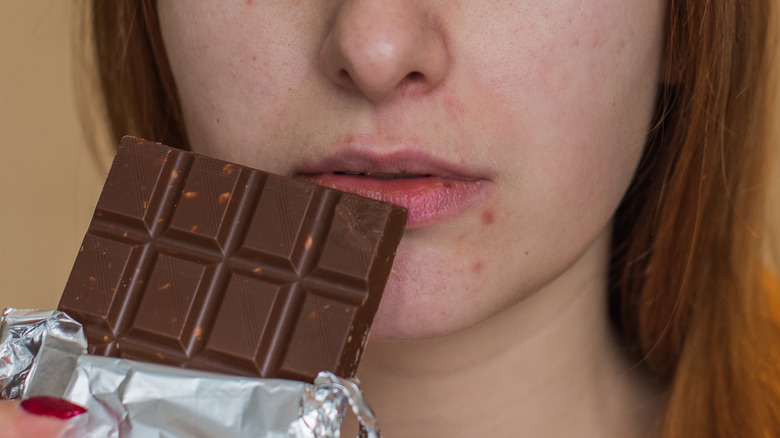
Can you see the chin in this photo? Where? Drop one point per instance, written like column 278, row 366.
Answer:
column 401, row 326
column 416, row 316
column 425, row 298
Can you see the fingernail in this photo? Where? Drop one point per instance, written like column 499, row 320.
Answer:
column 52, row 407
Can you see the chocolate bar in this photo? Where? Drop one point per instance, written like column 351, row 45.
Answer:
column 200, row 263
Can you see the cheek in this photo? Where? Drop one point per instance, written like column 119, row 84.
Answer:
column 580, row 69
column 568, row 111
column 237, row 92
column 571, row 105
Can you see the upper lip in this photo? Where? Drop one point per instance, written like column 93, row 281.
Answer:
column 394, row 164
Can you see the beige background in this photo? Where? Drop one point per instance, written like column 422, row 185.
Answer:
column 49, row 182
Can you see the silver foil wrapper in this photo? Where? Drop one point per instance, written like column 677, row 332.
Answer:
column 50, row 336
column 133, row 399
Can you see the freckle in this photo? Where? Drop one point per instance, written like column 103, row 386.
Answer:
column 254, row 58
column 476, row 267
column 488, row 217
column 526, row 253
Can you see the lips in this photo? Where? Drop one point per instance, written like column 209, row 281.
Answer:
column 432, row 190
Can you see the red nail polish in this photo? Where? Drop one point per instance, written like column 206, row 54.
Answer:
column 52, row 407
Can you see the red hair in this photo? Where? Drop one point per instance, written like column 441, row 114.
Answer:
column 688, row 277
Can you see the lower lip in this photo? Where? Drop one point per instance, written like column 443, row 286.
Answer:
column 429, row 200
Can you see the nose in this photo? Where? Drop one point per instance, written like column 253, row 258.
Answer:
column 383, row 48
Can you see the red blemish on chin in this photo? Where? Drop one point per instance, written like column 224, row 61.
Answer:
column 488, row 217
column 476, row 267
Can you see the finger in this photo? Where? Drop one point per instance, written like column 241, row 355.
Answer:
column 38, row 417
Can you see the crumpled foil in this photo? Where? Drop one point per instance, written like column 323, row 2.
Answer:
column 23, row 334
column 126, row 398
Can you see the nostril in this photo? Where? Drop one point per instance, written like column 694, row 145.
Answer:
column 344, row 79
column 414, row 76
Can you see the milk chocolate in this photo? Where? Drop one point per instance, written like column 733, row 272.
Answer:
column 200, row 263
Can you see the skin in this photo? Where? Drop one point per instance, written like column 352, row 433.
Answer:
column 545, row 104
column 496, row 308
column 18, row 423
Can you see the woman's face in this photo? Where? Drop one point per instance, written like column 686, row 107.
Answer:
column 510, row 129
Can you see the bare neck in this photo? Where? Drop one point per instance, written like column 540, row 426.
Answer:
column 549, row 366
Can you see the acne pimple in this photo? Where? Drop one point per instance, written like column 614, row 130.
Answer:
column 476, row 267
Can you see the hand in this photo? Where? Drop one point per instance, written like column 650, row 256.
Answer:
column 40, row 417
